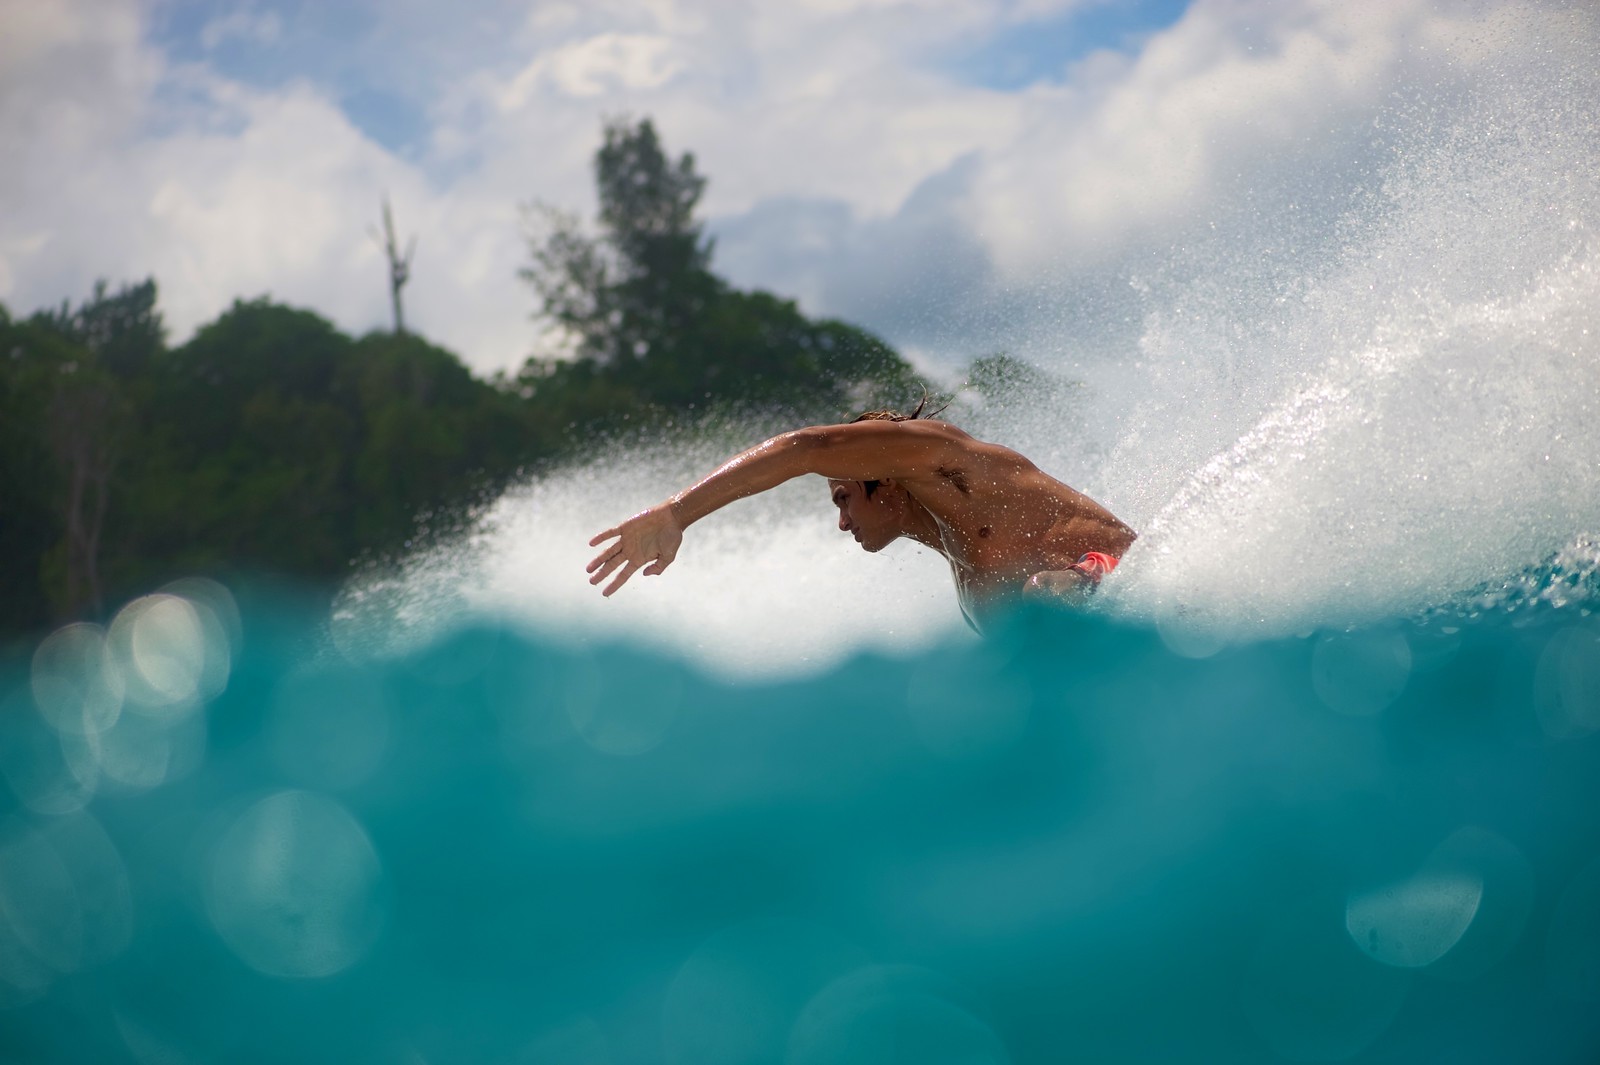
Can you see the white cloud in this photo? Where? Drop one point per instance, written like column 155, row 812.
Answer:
column 72, row 76
column 846, row 163
column 1215, row 95
column 242, row 24
column 74, row 85
column 281, row 206
column 606, row 62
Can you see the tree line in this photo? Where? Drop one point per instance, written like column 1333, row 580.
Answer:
column 272, row 442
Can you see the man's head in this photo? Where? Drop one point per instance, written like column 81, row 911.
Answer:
column 888, row 415
column 877, row 518
column 875, row 512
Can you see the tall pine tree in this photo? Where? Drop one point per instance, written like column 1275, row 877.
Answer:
column 652, row 329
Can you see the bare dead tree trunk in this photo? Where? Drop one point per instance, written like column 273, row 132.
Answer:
column 85, row 421
column 399, row 265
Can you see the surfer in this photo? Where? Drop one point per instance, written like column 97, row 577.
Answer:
column 1008, row 529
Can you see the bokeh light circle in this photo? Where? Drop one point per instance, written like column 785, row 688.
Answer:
column 173, row 654
column 1572, row 946
column 737, row 996
column 99, row 881
column 39, row 899
column 616, row 726
column 1414, row 922
column 892, row 1015
column 580, row 1041
column 1566, row 683
column 140, row 752
column 1360, row 673
column 215, row 598
column 1311, row 995
column 74, row 684
column 23, row 977
column 292, row 886
column 1190, row 631
column 37, row 763
column 1504, row 906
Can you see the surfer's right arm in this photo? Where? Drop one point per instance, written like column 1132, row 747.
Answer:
column 859, row 451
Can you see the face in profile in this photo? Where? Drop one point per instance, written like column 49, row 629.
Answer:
column 874, row 520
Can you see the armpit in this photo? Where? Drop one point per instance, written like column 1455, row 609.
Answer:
column 956, row 477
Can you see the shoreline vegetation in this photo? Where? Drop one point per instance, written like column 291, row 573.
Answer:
column 272, row 443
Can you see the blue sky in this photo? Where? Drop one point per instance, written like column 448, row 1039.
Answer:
column 349, row 50
column 960, row 175
column 1015, row 55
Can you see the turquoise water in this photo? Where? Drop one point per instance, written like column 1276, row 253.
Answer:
column 225, row 842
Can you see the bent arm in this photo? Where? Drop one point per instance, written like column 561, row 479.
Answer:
column 860, row 451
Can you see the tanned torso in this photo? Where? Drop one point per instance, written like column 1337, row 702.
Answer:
column 1001, row 519
column 1006, row 527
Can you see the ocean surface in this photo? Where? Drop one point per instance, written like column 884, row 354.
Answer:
column 1315, row 778
column 1072, row 842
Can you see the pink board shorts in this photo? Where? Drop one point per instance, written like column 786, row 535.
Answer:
column 1094, row 564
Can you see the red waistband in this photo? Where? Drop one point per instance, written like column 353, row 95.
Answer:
column 1095, row 563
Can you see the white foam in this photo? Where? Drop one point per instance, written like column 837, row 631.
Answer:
column 1321, row 429
column 1423, row 418
column 768, row 586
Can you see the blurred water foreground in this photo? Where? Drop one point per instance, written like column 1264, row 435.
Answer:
column 224, row 842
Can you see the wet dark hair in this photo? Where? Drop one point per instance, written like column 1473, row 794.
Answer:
column 920, row 411
column 888, row 415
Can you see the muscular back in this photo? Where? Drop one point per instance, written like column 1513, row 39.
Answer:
column 1002, row 519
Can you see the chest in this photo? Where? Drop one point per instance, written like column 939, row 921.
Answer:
column 983, row 555
column 990, row 564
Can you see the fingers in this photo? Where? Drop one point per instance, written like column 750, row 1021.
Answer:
column 607, row 565
column 620, row 560
column 622, row 578
column 610, row 565
column 603, row 557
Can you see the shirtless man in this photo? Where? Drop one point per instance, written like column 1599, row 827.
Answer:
column 1008, row 529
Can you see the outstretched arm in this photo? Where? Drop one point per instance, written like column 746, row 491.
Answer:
column 860, row 451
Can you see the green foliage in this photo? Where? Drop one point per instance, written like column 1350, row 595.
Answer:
column 34, row 361
column 279, row 443
column 655, row 333
column 647, row 207
column 123, row 332
column 68, row 378
column 999, row 376
column 270, row 442
column 437, row 440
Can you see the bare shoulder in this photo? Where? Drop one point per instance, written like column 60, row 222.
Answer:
column 924, row 437
column 908, row 450
column 978, row 451
column 958, row 451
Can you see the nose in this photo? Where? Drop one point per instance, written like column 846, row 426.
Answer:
column 844, row 521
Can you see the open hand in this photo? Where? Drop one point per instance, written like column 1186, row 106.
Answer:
column 649, row 539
